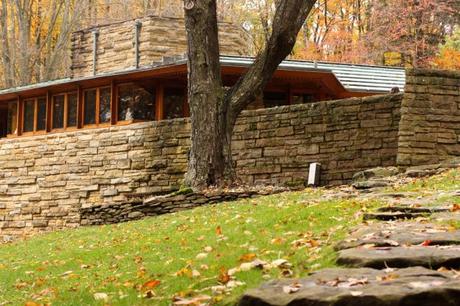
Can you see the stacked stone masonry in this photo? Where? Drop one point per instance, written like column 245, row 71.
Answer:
column 158, row 37
column 46, row 180
column 430, row 118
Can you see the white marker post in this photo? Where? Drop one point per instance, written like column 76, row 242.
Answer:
column 314, row 174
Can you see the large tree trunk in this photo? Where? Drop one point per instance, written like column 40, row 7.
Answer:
column 215, row 110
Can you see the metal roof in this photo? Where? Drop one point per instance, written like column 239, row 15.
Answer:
column 360, row 78
column 355, row 78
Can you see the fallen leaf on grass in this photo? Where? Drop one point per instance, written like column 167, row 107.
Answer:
column 248, row 257
column 455, row 208
column 223, row 277
column 151, row 284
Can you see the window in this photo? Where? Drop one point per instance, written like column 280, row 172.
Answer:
column 64, row 111
column 58, row 111
column 174, row 103
column 34, row 115
column 302, row 98
column 72, row 108
column 272, row 99
column 96, row 106
column 136, row 102
column 12, row 128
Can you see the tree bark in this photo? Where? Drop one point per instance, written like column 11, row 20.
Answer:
column 215, row 110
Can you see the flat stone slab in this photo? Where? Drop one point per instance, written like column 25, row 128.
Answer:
column 411, row 210
column 447, row 216
column 432, row 257
column 382, row 234
column 363, row 287
column 388, row 216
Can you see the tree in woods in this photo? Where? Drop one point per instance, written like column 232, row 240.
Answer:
column 214, row 108
column 414, row 28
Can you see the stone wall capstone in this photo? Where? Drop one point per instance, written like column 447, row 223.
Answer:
column 46, row 180
column 430, row 118
column 158, row 37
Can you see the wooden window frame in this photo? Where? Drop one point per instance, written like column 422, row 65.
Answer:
column 66, row 126
column 34, row 132
column 98, row 107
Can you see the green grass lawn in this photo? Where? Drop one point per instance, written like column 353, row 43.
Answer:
column 183, row 254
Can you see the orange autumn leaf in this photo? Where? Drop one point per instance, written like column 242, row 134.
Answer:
column 224, row 277
column 219, row 231
column 248, row 257
column 30, row 303
column 426, row 243
column 151, row 284
column 455, row 207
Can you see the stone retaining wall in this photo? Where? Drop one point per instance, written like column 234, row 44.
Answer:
column 158, row 37
column 136, row 209
column 45, row 180
column 430, row 118
column 275, row 146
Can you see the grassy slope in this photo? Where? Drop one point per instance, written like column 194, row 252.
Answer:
column 68, row 267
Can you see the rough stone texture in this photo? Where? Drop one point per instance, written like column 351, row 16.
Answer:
column 364, row 287
column 400, row 257
column 275, row 146
column 137, row 208
column 159, row 37
column 45, row 180
column 384, row 234
column 430, row 118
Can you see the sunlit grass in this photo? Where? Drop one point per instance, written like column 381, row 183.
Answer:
column 69, row 267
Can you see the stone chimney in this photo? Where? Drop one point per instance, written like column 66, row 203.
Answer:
column 140, row 43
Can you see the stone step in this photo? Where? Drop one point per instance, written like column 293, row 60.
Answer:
column 411, row 210
column 388, row 216
column 432, row 257
column 367, row 287
column 384, row 234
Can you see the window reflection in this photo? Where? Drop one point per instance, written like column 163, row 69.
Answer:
column 104, row 105
column 136, row 102
column 90, row 107
column 29, row 114
column 58, row 112
column 174, row 103
column 72, row 100
column 12, row 127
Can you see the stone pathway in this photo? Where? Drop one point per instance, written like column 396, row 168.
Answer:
column 389, row 260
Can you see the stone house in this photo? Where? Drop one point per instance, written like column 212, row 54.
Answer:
column 118, row 126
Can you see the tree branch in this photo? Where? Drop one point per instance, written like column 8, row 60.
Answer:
column 289, row 17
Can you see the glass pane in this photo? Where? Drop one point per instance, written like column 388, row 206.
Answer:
column 272, row 99
column 174, row 103
column 12, row 118
column 104, row 106
column 302, row 99
column 58, row 112
column 41, row 116
column 136, row 102
column 29, row 111
column 90, row 107
column 72, row 101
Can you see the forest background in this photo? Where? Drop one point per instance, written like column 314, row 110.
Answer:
column 35, row 34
